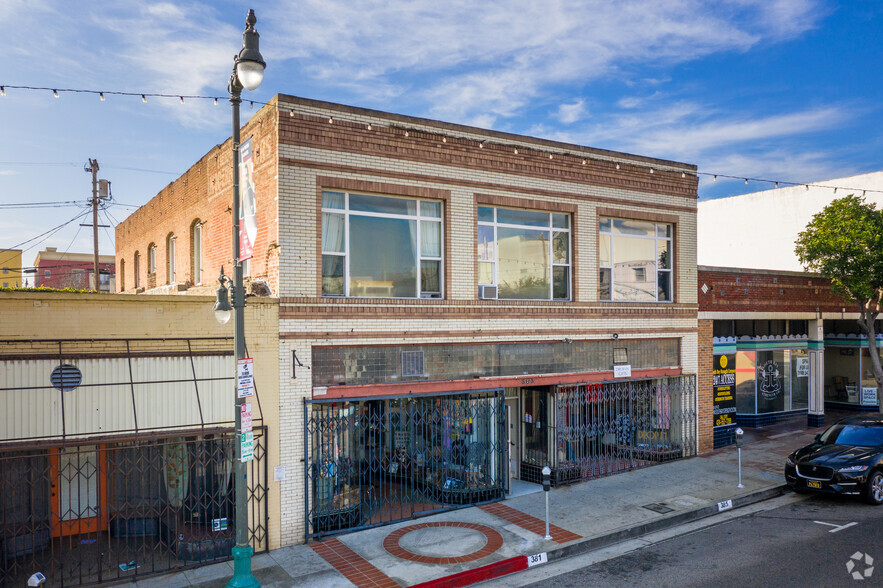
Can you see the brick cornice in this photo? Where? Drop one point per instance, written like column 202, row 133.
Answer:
column 304, row 130
column 413, row 177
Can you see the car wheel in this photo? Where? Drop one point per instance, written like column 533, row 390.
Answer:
column 874, row 489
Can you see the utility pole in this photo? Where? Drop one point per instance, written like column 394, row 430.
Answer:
column 93, row 167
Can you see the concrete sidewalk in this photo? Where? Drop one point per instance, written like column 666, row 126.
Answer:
column 482, row 542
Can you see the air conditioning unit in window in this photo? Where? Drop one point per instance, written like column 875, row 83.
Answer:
column 487, row 292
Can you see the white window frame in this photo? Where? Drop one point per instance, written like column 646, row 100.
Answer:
column 151, row 259
column 418, row 218
column 657, row 239
column 196, row 239
column 170, row 259
column 552, row 265
column 137, row 268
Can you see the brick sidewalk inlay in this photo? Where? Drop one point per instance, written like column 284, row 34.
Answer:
column 531, row 523
column 494, row 542
column 349, row 563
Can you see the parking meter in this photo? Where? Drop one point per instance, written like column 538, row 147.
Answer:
column 547, row 485
column 740, row 434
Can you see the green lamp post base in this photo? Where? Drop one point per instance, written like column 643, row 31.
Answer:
column 242, row 577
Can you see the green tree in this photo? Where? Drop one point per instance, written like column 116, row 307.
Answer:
column 844, row 243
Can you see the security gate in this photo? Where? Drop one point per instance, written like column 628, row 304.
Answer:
column 376, row 461
column 607, row 428
column 122, row 510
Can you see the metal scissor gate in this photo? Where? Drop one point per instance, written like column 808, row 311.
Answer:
column 607, row 428
column 379, row 460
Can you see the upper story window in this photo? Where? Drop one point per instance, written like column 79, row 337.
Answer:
column 137, row 268
column 378, row 246
column 635, row 259
column 170, row 258
column 196, row 244
column 151, row 259
column 524, row 253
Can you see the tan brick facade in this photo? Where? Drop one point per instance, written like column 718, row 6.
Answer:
column 308, row 146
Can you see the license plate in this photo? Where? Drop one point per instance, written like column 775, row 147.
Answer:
column 813, row 484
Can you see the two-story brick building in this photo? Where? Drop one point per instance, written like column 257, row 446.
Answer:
column 458, row 307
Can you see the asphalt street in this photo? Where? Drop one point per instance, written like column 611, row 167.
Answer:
column 802, row 542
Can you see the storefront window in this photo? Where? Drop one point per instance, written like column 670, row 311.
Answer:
column 746, row 382
column 799, row 379
column 536, row 426
column 843, row 374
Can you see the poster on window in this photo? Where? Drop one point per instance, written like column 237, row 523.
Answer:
column 248, row 224
column 770, row 382
column 724, row 385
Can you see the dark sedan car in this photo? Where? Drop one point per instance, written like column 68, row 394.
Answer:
column 846, row 459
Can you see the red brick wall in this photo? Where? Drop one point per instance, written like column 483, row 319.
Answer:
column 61, row 274
column 205, row 193
column 745, row 290
column 704, row 389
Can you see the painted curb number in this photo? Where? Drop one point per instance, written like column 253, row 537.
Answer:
column 725, row 505
column 536, row 559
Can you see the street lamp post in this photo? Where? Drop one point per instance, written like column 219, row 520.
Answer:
column 248, row 72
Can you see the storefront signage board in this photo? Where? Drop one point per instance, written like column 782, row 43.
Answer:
column 869, row 395
column 622, row 371
column 245, row 417
column 244, row 377
column 724, row 379
column 246, row 446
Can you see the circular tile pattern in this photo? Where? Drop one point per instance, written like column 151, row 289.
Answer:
column 493, row 542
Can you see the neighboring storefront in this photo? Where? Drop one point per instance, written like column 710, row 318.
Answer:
column 849, row 374
column 771, row 377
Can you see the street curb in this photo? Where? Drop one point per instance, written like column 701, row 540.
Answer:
column 519, row 563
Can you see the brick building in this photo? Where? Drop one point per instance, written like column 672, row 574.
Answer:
column 458, row 307
column 73, row 270
column 792, row 347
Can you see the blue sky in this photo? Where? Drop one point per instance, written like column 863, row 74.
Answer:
column 779, row 89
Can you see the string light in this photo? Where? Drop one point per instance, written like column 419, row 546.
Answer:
column 102, row 95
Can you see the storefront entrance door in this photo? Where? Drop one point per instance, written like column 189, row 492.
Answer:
column 77, row 489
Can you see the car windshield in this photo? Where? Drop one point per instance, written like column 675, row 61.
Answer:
column 846, row 434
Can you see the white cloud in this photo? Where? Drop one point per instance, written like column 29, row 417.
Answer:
column 571, row 113
column 489, row 59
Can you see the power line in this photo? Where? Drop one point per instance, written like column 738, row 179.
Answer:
column 48, row 233
column 72, row 164
column 57, row 204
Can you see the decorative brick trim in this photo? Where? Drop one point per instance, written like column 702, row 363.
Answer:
column 637, row 215
column 352, row 565
column 508, row 201
column 421, row 145
column 528, row 522
column 351, row 185
column 593, row 198
column 494, row 541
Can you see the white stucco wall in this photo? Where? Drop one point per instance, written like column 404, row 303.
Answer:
column 758, row 230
